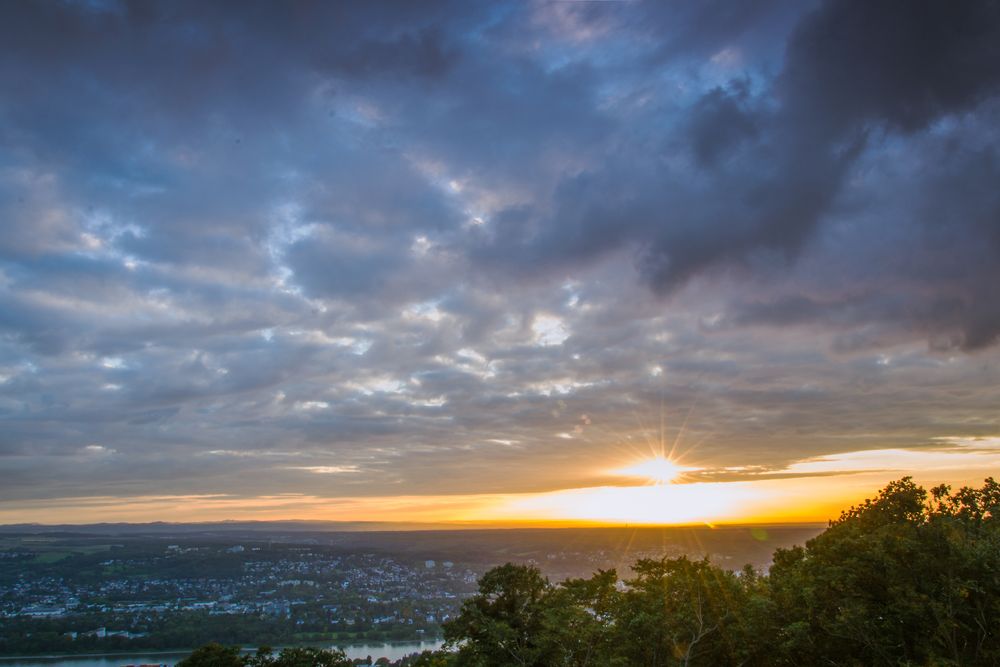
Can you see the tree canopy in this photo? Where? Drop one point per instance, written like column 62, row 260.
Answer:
column 216, row 655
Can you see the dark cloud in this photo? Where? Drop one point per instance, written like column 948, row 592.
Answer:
column 414, row 54
column 900, row 63
column 911, row 253
column 720, row 122
column 850, row 70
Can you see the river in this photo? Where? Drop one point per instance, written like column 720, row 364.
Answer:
column 388, row 650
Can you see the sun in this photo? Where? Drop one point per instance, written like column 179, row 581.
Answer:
column 653, row 493
column 659, row 470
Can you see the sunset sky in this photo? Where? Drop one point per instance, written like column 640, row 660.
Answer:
column 495, row 262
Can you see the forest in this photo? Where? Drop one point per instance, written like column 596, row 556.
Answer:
column 909, row 577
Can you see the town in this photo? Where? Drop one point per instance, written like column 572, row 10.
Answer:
column 172, row 596
column 83, row 593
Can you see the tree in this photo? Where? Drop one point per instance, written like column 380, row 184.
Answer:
column 434, row 659
column 216, row 655
column 580, row 621
column 678, row 611
column 503, row 623
column 896, row 580
column 311, row 657
column 213, row 655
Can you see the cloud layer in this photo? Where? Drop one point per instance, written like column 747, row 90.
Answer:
column 452, row 248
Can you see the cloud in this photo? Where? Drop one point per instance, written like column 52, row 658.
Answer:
column 418, row 242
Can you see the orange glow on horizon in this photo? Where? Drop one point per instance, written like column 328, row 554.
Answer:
column 807, row 491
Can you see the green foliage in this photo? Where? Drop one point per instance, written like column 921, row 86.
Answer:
column 216, row 655
column 431, row 659
column 897, row 580
column 904, row 579
column 580, row 621
column 688, row 612
column 308, row 657
column 503, row 624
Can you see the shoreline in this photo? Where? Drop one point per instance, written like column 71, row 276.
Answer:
column 246, row 649
column 116, row 654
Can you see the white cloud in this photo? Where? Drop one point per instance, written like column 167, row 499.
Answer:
column 549, row 330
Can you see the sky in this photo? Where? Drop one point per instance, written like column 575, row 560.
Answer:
column 478, row 262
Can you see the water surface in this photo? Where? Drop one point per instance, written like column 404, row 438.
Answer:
column 392, row 651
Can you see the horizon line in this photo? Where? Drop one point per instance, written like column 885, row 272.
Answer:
column 417, row 526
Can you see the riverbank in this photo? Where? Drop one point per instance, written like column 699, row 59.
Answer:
column 116, row 654
column 391, row 650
